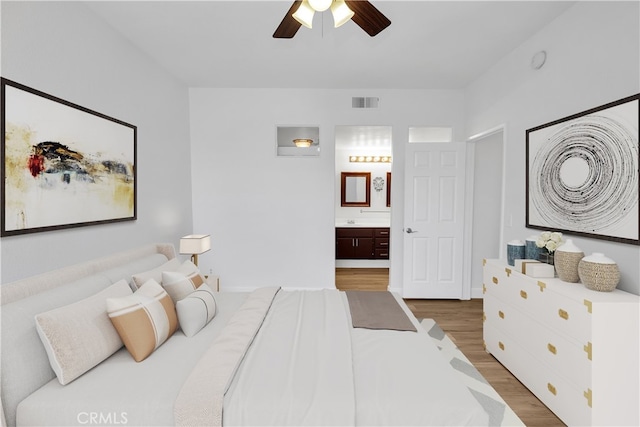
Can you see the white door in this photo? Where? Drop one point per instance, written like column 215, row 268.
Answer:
column 434, row 220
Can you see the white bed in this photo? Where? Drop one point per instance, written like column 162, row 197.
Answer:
column 306, row 366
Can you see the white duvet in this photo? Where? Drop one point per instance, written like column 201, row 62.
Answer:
column 305, row 366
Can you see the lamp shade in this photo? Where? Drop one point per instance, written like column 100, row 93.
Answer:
column 195, row 244
column 304, row 14
column 341, row 13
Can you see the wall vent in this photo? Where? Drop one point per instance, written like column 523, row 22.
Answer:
column 365, row 102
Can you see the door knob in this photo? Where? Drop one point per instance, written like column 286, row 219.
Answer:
column 409, row 230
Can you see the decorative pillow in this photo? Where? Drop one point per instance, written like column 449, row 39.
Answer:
column 143, row 320
column 183, row 281
column 196, row 310
column 79, row 336
column 140, row 279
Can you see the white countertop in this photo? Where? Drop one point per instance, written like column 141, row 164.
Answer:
column 380, row 224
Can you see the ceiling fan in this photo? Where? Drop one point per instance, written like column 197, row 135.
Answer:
column 301, row 12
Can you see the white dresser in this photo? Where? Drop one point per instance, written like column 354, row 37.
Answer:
column 577, row 350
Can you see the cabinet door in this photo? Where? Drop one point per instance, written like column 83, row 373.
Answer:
column 363, row 248
column 345, row 247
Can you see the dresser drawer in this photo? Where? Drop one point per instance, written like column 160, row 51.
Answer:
column 565, row 399
column 564, row 356
column 382, row 254
column 354, row 232
column 381, row 232
column 536, row 297
column 382, row 243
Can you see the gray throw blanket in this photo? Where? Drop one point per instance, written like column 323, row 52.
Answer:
column 377, row 310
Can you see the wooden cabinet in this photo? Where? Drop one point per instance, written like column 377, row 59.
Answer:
column 362, row 243
column 577, row 350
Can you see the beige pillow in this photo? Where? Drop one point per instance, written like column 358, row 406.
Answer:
column 196, row 310
column 79, row 336
column 143, row 320
column 182, row 282
column 140, row 279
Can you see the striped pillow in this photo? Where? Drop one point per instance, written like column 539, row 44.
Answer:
column 196, row 310
column 183, row 281
column 143, row 320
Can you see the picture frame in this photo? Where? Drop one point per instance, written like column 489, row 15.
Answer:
column 63, row 165
column 582, row 173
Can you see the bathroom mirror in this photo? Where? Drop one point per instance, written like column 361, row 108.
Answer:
column 355, row 189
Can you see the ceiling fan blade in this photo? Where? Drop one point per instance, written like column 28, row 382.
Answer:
column 368, row 17
column 289, row 26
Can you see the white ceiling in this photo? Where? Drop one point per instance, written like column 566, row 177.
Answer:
column 429, row 45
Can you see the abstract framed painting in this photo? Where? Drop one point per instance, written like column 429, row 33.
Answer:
column 63, row 165
column 583, row 173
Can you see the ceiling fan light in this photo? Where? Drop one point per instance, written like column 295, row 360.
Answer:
column 341, row 13
column 320, row 5
column 304, row 14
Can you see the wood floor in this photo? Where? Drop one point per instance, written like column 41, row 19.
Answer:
column 462, row 321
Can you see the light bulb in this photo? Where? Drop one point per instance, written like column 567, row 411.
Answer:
column 320, row 5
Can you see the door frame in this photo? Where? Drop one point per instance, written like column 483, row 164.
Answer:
column 470, row 181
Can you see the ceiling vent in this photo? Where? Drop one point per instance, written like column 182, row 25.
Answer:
column 365, row 102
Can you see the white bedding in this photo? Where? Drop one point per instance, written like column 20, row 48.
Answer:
column 302, row 368
column 119, row 389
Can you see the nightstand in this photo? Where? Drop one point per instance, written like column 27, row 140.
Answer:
column 213, row 281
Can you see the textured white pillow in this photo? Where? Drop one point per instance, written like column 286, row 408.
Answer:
column 143, row 320
column 183, row 281
column 140, row 279
column 196, row 310
column 79, row 336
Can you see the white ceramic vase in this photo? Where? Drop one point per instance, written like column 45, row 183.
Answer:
column 566, row 260
column 599, row 273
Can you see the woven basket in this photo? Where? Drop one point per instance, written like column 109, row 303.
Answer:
column 567, row 265
column 599, row 277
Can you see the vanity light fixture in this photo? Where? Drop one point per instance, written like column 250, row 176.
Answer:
column 194, row 245
column 303, row 142
column 370, row 159
column 339, row 9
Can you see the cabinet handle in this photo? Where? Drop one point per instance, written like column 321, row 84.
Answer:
column 501, row 314
column 588, row 395
column 387, row 254
column 563, row 314
column 552, row 389
column 384, row 244
column 552, row 348
column 384, row 233
column 501, row 345
column 495, row 280
column 588, row 349
column 523, row 294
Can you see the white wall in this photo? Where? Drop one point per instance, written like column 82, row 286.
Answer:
column 272, row 218
column 593, row 57
column 63, row 49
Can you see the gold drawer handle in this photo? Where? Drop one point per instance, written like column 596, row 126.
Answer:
column 552, row 348
column 523, row 294
column 501, row 314
column 588, row 348
column 495, row 280
column 563, row 314
column 589, row 396
column 500, row 345
column 508, row 271
column 552, row 389
column 484, row 288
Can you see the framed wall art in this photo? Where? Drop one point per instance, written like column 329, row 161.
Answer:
column 63, row 165
column 582, row 173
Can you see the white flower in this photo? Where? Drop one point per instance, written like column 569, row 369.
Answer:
column 549, row 241
column 551, row 246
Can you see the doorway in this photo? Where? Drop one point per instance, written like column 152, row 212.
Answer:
column 364, row 149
